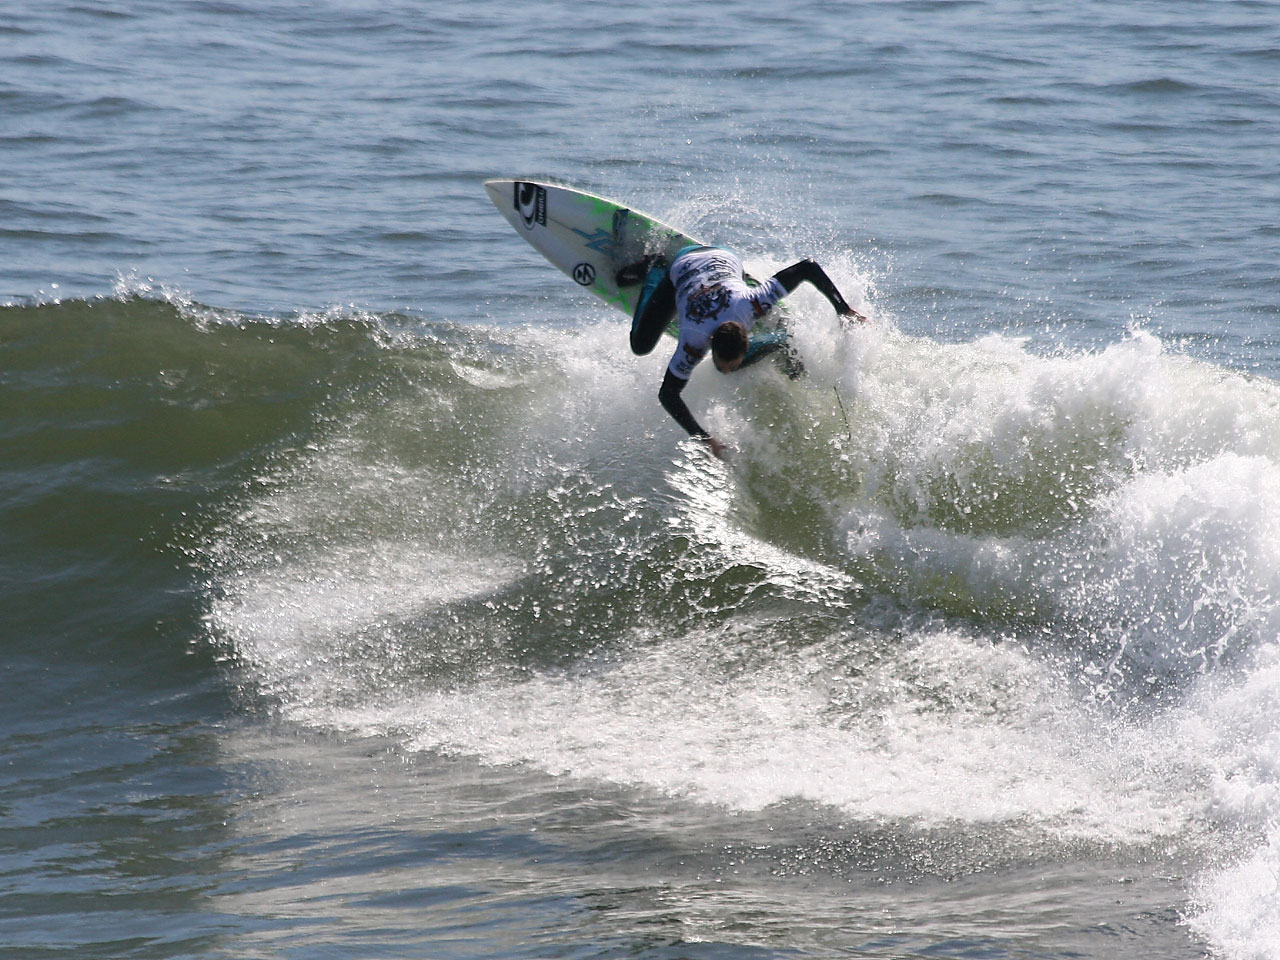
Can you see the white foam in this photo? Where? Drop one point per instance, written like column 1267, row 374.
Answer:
column 982, row 739
column 1151, row 488
column 1232, row 726
column 1239, row 907
column 1127, row 501
column 312, row 630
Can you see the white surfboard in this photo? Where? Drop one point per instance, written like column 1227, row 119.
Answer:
column 588, row 237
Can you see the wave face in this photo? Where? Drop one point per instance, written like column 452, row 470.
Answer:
column 943, row 587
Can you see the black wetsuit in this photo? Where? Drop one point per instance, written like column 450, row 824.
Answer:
column 705, row 286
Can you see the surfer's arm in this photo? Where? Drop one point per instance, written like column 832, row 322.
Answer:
column 807, row 270
column 673, row 403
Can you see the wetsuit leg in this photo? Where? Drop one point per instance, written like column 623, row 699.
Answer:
column 654, row 310
column 763, row 344
column 766, row 343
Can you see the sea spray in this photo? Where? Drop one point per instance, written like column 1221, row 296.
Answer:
column 1018, row 595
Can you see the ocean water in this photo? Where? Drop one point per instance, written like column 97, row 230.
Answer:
column 358, row 600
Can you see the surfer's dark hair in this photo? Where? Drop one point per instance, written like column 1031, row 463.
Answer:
column 729, row 341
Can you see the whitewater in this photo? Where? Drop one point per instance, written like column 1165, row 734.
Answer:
column 1034, row 595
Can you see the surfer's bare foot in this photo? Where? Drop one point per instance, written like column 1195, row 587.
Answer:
column 634, row 273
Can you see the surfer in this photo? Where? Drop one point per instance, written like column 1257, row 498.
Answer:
column 705, row 287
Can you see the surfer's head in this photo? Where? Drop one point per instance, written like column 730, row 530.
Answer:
column 729, row 346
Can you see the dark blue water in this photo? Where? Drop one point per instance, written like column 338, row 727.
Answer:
column 358, row 599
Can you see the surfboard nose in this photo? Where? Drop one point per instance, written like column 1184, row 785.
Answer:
column 499, row 192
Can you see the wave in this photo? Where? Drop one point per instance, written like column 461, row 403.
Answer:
column 938, row 583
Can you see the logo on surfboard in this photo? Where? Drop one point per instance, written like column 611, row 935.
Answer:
column 531, row 204
column 584, row 274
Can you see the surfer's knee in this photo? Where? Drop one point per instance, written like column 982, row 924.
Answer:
column 643, row 340
column 655, row 309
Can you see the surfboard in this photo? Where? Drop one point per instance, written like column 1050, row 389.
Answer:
column 591, row 238
column 588, row 237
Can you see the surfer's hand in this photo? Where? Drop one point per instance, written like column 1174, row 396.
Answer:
column 851, row 313
column 720, row 450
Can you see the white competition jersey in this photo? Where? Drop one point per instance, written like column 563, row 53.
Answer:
column 711, row 290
